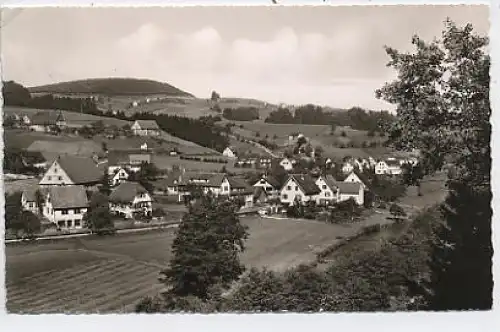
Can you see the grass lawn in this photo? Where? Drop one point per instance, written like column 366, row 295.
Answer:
column 166, row 162
column 20, row 185
column 93, row 274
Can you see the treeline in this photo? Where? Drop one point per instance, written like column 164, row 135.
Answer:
column 356, row 117
column 15, row 94
column 241, row 113
column 200, row 131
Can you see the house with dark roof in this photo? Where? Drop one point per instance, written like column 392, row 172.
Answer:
column 65, row 206
column 129, row 160
column 329, row 190
column 354, row 177
column 354, row 190
column 130, row 198
column 269, row 184
column 46, row 121
column 68, row 170
column 390, row 166
column 120, row 175
column 145, row 128
column 216, row 184
column 29, row 200
column 300, row 187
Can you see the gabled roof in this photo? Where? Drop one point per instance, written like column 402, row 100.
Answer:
column 349, row 187
column 237, row 183
column 126, row 192
column 80, row 170
column 148, row 124
column 30, row 193
column 80, row 148
column 47, row 118
column 216, row 180
column 306, row 183
column 64, row 197
column 330, row 181
column 259, row 191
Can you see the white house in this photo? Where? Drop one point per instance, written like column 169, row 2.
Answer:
column 229, row 152
column 287, row 164
column 120, row 175
column 144, row 146
column 329, row 191
column 347, row 190
column 145, row 128
column 29, row 201
column 70, row 170
column 300, row 187
column 347, row 167
column 354, row 178
column 65, row 206
column 130, row 198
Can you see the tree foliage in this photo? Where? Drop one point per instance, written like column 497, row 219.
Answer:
column 442, row 102
column 98, row 218
column 206, row 248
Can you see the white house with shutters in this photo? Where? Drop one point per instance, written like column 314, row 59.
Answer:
column 299, row 187
column 65, row 206
column 130, row 198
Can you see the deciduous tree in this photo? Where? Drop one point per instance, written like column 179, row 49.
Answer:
column 442, row 101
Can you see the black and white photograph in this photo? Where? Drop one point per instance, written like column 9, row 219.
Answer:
column 259, row 159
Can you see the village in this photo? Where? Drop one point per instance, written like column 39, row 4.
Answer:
column 270, row 185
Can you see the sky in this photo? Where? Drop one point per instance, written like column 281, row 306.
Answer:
column 325, row 55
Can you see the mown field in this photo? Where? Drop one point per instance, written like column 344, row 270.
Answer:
column 166, row 162
column 112, row 274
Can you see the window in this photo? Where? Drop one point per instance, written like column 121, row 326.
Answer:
column 55, row 169
column 69, row 223
column 285, row 196
column 77, row 211
column 77, row 222
column 327, row 194
column 324, row 186
column 225, row 188
column 296, row 188
column 49, row 178
column 64, row 211
column 59, row 178
column 288, row 187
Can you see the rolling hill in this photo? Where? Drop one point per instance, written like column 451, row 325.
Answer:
column 112, row 87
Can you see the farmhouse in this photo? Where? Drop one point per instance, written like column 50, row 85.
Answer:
column 129, row 160
column 229, row 152
column 145, row 128
column 46, row 121
column 329, row 190
column 389, row 167
column 169, row 185
column 269, row 184
column 70, row 170
column 130, row 198
column 300, row 187
column 347, row 190
column 29, row 200
column 354, row 178
column 65, row 206
column 217, row 184
column 120, row 175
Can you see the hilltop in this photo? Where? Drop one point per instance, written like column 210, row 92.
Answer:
column 112, row 86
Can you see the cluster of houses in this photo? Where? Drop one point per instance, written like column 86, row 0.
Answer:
column 50, row 121
column 388, row 166
column 247, row 160
column 63, row 193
